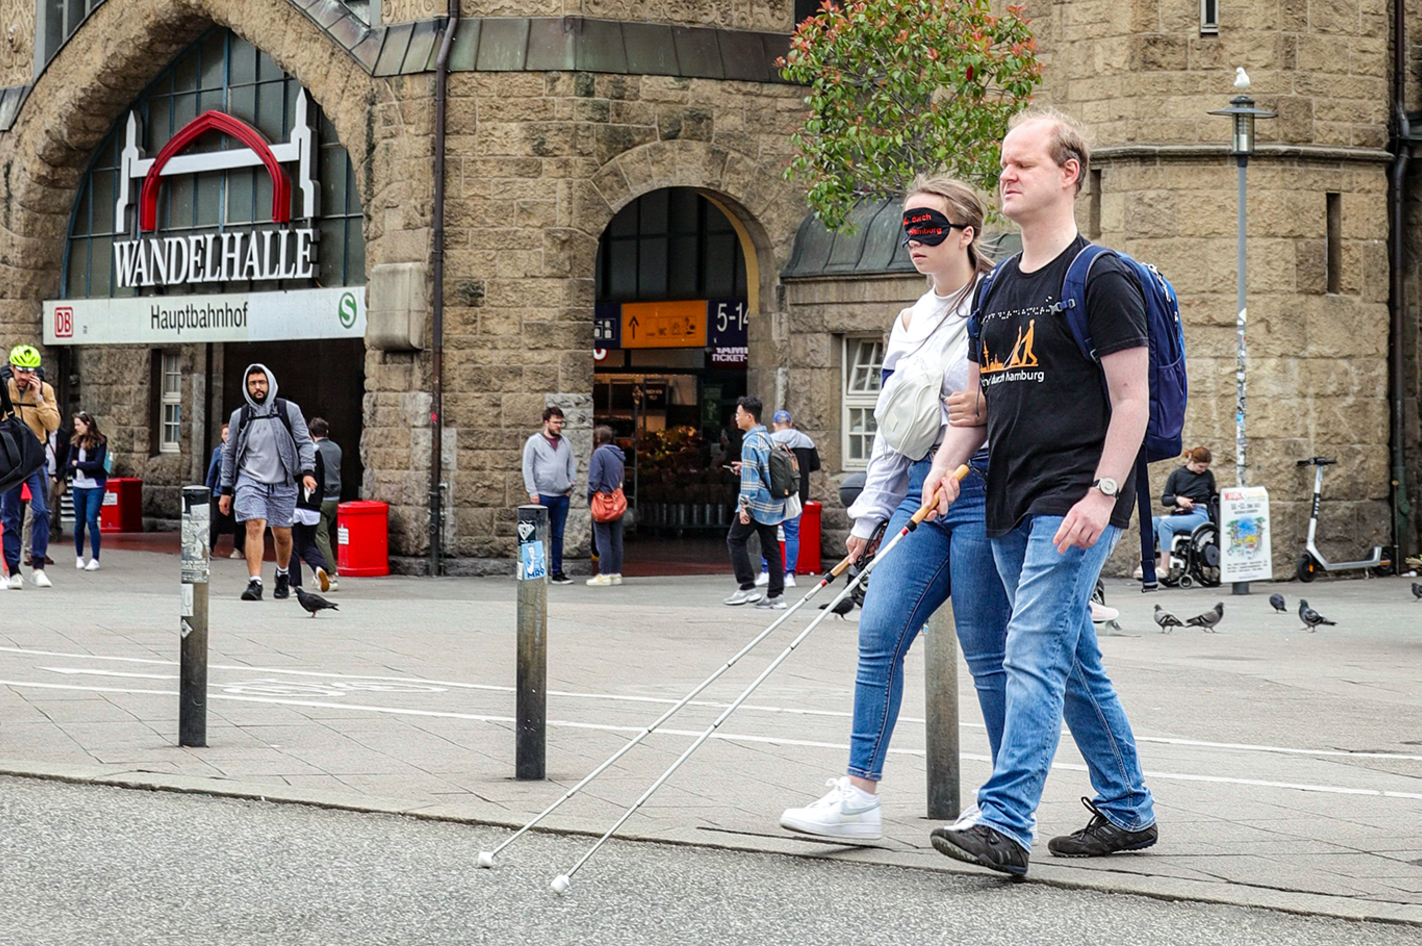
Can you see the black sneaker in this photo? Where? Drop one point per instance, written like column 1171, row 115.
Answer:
column 560, row 579
column 981, row 845
column 253, row 592
column 283, row 586
column 1101, row 837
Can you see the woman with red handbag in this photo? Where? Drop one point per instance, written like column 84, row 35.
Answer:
column 608, row 506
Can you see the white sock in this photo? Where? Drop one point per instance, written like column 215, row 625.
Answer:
column 256, row 578
column 863, row 797
column 280, row 572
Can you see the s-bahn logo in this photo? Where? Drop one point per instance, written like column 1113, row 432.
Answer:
column 275, row 253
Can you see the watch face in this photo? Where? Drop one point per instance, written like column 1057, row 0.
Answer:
column 1108, row 486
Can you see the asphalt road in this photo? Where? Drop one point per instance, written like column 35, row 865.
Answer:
column 97, row 865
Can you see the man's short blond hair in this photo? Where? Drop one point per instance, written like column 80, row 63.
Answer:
column 1068, row 139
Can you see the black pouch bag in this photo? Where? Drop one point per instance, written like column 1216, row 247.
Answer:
column 21, row 453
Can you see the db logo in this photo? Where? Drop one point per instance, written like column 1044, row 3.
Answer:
column 63, row 321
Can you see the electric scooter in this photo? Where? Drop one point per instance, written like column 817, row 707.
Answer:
column 1311, row 561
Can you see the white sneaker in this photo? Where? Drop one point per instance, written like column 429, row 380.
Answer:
column 93, row 565
column 789, row 579
column 762, row 579
column 16, row 582
column 235, row 554
column 79, row 562
column 40, row 579
column 1100, row 614
column 843, row 813
column 776, row 603
column 1139, row 573
column 748, row 596
column 616, row 578
column 600, row 581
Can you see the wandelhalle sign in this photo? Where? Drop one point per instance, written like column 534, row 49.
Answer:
column 278, row 253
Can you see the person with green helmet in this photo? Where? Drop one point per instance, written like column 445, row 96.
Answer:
column 37, row 406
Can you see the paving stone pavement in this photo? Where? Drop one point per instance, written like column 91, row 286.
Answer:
column 1287, row 765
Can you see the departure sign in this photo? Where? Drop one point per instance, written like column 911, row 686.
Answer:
column 686, row 323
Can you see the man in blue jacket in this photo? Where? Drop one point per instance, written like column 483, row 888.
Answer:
column 757, row 512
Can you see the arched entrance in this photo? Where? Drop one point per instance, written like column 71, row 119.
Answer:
column 670, row 362
column 218, row 224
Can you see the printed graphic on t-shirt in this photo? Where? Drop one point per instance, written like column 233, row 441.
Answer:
column 994, row 369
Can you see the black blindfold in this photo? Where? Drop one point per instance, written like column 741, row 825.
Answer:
column 927, row 226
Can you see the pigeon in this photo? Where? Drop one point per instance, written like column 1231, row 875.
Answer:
column 1277, row 600
column 1416, row 591
column 1311, row 618
column 313, row 602
column 1166, row 620
column 841, row 609
column 1207, row 621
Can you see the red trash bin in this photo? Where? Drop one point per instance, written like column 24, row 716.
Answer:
column 809, row 563
column 122, row 509
column 362, row 539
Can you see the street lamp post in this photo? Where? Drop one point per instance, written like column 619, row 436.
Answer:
column 1244, row 113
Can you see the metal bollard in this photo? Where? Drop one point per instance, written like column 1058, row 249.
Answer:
column 192, row 673
column 940, row 698
column 531, row 710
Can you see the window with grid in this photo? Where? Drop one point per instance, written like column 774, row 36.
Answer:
column 219, row 71
column 1209, row 17
column 670, row 244
column 172, row 404
column 863, row 363
column 55, row 22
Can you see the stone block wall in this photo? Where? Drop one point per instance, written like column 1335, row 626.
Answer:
column 1317, row 368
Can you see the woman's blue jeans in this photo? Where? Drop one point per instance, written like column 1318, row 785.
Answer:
column 1054, row 671
column 86, row 512
column 1167, row 526
column 949, row 554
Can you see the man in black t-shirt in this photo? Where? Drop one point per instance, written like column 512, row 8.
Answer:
column 1059, row 487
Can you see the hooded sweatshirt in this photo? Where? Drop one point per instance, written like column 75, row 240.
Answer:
column 263, row 450
column 606, row 470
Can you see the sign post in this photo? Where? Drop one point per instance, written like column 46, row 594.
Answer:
column 192, row 674
column 1245, row 554
column 531, row 688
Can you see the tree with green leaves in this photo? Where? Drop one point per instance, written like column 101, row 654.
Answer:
column 901, row 87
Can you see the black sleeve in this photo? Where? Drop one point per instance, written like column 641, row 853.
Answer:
column 1167, row 499
column 1115, row 308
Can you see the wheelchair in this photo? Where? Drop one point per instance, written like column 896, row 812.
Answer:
column 1195, row 557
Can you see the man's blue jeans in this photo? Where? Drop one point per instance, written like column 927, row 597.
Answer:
column 12, row 516
column 557, row 518
column 792, row 546
column 911, row 583
column 1054, row 671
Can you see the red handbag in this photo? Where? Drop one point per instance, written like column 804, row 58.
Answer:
column 607, row 507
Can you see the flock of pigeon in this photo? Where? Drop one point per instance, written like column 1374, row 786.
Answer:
column 1312, row 619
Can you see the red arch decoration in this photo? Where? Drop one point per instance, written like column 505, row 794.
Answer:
column 243, row 132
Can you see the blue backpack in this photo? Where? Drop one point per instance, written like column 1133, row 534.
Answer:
column 1169, row 387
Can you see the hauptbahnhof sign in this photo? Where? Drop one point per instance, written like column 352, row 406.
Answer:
column 276, row 253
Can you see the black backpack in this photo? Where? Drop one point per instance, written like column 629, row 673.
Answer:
column 784, row 471
column 278, row 408
column 21, row 452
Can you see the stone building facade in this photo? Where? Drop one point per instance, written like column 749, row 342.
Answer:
column 561, row 113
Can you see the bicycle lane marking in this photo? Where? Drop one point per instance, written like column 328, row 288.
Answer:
column 728, row 737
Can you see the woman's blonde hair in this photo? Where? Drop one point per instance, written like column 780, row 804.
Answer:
column 965, row 209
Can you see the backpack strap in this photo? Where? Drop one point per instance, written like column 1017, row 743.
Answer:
column 1073, row 300
column 1148, row 576
column 975, row 324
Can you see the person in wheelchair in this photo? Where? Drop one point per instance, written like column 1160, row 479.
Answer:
column 1187, row 495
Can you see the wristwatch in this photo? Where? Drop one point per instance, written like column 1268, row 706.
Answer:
column 1108, row 486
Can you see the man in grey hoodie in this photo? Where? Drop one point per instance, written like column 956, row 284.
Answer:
column 262, row 462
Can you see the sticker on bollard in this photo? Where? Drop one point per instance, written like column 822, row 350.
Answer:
column 196, row 516
column 531, row 563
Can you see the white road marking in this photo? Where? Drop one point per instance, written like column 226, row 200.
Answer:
column 728, row 737
column 796, row 711
column 665, row 701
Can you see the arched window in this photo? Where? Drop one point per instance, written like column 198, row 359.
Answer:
column 232, row 192
column 670, row 244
